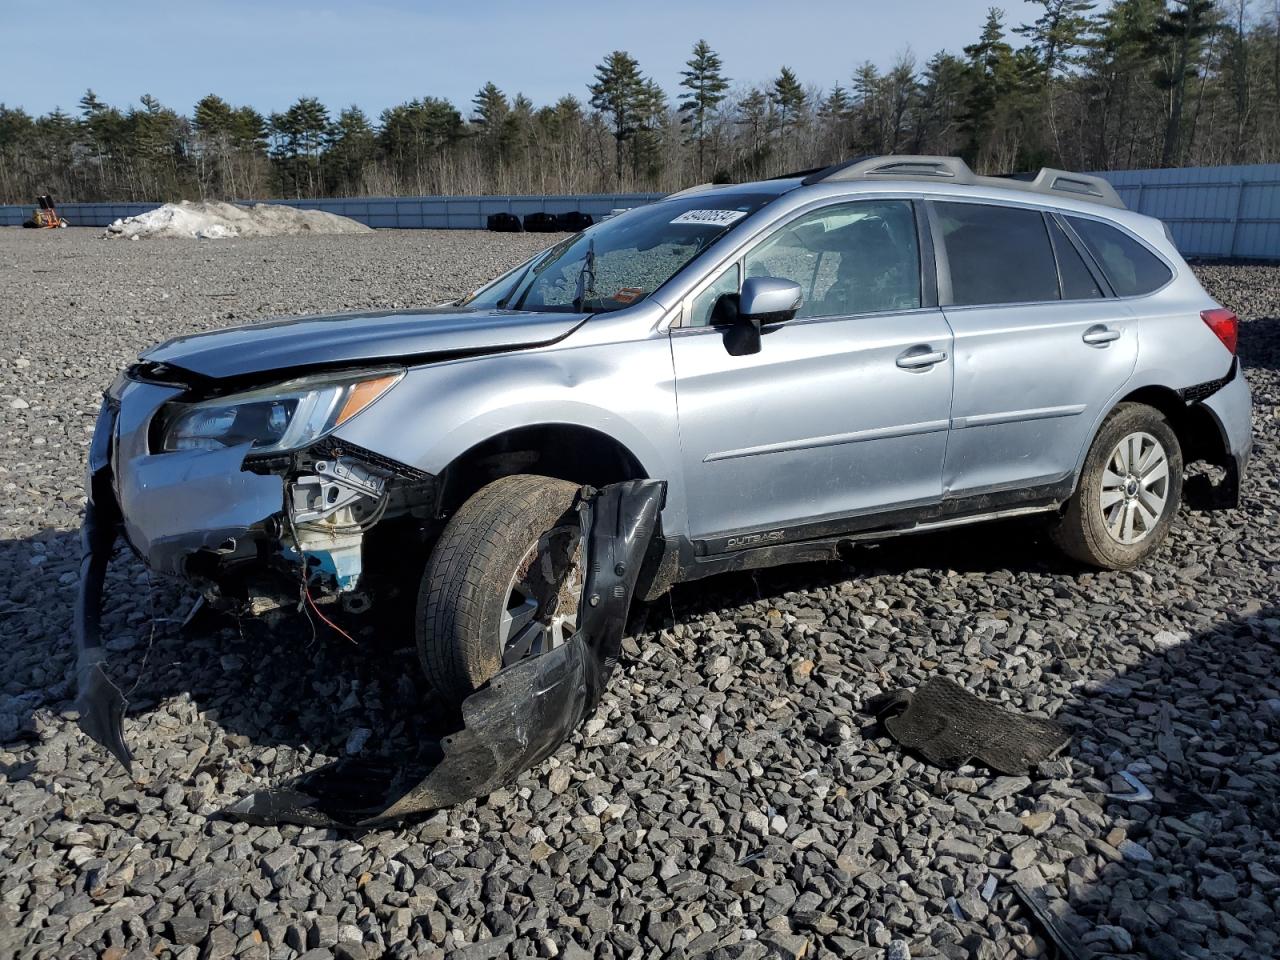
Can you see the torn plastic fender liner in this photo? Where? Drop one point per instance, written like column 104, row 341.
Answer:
column 99, row 702
column 516, row 720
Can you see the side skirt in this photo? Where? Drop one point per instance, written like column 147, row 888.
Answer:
column 697, row 559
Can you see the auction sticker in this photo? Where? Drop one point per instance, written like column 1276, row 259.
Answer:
column 712, row 218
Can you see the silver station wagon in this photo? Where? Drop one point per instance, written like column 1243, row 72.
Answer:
column 882, row 347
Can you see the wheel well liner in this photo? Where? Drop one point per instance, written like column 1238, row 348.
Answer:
column 562, row 450
column 1193, row 424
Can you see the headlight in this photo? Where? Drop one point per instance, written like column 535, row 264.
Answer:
column 282, row 417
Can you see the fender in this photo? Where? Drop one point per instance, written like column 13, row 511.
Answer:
column 623, row 390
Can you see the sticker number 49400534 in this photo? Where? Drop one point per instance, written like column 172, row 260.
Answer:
column 712, row 218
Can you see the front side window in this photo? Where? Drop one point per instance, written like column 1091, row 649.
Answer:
column 622, row 260
column 1130, row 267
column 997, row 254
column 849, row 259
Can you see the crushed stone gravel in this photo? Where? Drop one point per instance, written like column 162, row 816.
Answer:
column 729, row 800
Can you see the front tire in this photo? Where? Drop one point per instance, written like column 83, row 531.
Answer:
column 1128, row 494
column 502, row 583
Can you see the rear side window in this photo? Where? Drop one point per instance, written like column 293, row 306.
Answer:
column 1131, row 268
column 997, row 254
column 1077, row 280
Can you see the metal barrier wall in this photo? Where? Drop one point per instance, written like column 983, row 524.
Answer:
column 468, row 213
column 78, row 214
column 1211, row 211
column 405, row 213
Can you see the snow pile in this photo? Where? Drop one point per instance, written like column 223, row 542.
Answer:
column 213, row 220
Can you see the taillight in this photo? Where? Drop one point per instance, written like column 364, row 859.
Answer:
column 1225, row 326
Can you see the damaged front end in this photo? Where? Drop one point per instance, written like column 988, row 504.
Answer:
column 516, row 720
column 264, row 528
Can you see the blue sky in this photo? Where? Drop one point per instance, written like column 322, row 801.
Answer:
column 268, row 53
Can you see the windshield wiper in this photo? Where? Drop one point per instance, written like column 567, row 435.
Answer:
column 586, row 277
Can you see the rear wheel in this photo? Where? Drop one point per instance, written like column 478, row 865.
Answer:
column 502, row 584
column 1129, row 491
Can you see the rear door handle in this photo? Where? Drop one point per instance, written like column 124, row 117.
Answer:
column 1100, row 336
column 920, row 356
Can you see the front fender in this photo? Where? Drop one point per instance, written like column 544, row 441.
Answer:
column 440, row 411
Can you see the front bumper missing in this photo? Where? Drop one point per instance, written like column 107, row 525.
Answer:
column 514, row 722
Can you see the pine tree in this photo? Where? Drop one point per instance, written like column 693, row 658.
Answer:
column 351, row 144
column 705, row 86
column 1058, row 34
column 617, row 92
column 1181, row 32
column 835, row 105
column 788, row 97
column 990, row 75
column 753, row 116
column 490, row 108
column 213, row 117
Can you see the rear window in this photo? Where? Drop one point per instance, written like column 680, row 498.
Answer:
column 997, row 254
column 1130, row 267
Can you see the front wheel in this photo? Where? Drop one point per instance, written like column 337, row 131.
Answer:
column 502, row 583
column 1128, row 494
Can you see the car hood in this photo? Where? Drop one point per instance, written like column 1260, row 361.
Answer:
column 353, row 338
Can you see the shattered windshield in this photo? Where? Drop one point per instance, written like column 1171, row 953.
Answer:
column 621, row 261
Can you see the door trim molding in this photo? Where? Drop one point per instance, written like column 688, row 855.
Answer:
column 1013, row 416
column 832, row 440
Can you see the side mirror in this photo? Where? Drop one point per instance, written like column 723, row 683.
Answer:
column 763, row 301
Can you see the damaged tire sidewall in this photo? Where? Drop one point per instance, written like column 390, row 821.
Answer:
column 466, row 584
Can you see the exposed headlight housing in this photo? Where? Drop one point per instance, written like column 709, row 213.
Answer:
column 275, row 419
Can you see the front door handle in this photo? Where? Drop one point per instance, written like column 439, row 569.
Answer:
column 921, row 356
column 1100, row 336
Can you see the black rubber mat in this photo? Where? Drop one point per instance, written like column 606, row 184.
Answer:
column 948, row 726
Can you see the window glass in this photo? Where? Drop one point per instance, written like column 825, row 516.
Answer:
column 1132, row 268
column 997, row 254
column 849, row 259
column 622, row 260
column 705, row 302
column 1077, row 281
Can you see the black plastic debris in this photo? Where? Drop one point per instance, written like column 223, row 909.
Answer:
column 99, row 702
column 516, row 720
column 949, row 726
column 1054, row 928
column 505, row 223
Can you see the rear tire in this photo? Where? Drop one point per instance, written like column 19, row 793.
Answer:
column 516, row 532
column 1129, row 491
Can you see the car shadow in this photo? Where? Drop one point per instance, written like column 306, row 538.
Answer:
column 1259, row 346
column 1196, row 721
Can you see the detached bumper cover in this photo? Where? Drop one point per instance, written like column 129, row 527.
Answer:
column 514, row 722
column 1232, row 410
column 168, row 507
column 99, row 702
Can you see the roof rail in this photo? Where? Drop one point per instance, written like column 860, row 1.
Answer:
column 1048, row 181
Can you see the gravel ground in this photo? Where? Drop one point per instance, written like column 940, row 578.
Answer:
column 729, row 799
